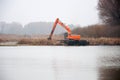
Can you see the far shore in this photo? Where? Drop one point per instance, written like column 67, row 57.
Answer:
column 41, row 40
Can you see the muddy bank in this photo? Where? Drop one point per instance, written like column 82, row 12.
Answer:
column 92, row 41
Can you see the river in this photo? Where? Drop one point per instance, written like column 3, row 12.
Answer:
column 60, row 63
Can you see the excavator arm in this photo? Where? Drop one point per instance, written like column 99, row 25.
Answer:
column 57, row 21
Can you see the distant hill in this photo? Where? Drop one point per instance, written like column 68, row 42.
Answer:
column 11, row 28
column 33, row 28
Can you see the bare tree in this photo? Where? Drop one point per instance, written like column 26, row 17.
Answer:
column 109, row 11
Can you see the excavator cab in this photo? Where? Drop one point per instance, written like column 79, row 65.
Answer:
column 65, row 36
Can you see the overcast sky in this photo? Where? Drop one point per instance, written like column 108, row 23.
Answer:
column 77, row 12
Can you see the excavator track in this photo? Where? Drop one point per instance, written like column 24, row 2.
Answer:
column 76, row 42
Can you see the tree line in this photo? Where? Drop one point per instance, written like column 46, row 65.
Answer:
column 109, row 13
column 96, row 31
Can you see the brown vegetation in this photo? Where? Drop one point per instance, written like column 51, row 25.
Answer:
column 38, row 42
column 92, row 41
column 42, row 40
column 97, row 31
column 103, row 41
column 10, row 38
column 35, row 42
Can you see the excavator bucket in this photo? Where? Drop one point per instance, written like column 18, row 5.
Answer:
column 49, row 38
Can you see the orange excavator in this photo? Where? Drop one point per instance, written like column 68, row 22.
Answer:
column 69, row 38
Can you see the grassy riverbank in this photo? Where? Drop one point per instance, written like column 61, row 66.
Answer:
column 13, row 40
column 92, row 41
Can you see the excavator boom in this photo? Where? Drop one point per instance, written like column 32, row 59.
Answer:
column 53, row 29
column 69, row 36
column 57, row 21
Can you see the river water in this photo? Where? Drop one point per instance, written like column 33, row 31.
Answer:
column 60, row 63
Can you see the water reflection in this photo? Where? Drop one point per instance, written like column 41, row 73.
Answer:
column 109, row 73
column 74, row 65
column 109, row 65
column 60, row 63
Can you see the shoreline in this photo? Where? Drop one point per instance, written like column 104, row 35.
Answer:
column 44, row 42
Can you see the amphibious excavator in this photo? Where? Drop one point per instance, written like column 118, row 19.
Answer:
column 69, row 38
